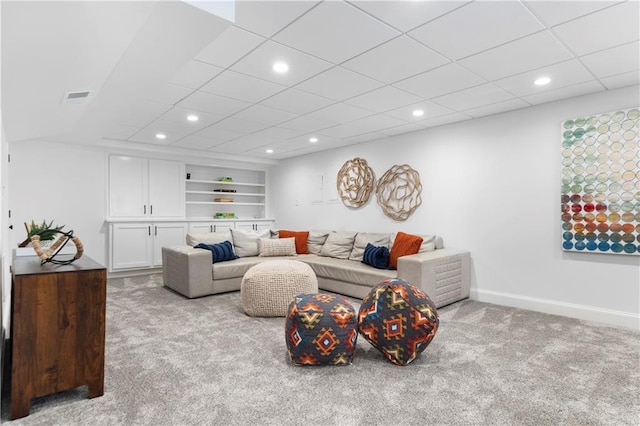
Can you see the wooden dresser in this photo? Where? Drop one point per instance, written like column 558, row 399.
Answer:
column 57, row 329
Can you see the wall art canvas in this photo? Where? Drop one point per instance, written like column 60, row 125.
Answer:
column 600, row 190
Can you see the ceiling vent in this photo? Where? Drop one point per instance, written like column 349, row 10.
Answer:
column 76, row 97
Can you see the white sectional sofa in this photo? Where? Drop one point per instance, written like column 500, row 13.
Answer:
column 444, row 274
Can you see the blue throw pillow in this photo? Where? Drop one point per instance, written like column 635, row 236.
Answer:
column 219, row 252
column 378, row 257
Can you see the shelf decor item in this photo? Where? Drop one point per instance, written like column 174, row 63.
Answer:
column 47, row 231
column 226, row 179
column 399, row 192
column 600, row 187
column 48, row 256
column 355, row 182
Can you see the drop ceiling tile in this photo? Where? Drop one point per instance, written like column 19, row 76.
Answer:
column 430, row 109
column 120, row 131
column 241, row 86
column 531, row 52
column 297, row 101
column 265, row 115
column 242, row 127
column 259, row 64
column 474, row 97
column 476, row 27
column 445, row 119
column 395, row 60
column 339, row 84
column 383, row 99
column 406, row 15
column 278, row 133
column 229, row 46
column 215, row 135
column 335, row 31
column 621, row 80
column 194, row 74
column 616, row 60
column 564, row 92
column 399, row 130
column 339, row 113
column 509, row 105
column 376, row 122
column 556, row 12
column 207, row 102
column 140, row 113
column 194, row 142
column 173, row 131
column 307, row 123
column 168, row 94
column 613, row 26
column 563, row 74
column 446, row 79
column 342, row 131
column 366, row 137
column 268, row 17
column 179, row 115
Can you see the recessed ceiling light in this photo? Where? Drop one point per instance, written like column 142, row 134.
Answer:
column 269, row 151
column 313, row 140
column 280, row 67
column 192, row 117
column 418, row 113
column 161, row 136
column 542, row 81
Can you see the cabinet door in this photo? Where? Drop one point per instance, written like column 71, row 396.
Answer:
column 131, row 245
column 222, row 226
column 166, row 188
column 128, row 183
column 246, row 226
column 200, row 227
column 261, row 226
column 165, row 235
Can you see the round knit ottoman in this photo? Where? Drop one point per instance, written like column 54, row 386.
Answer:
column 320, row 330
column 268, row 287
column 398, row 319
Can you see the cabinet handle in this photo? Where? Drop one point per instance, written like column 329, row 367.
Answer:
column 214, row 228
column 149, row 227
column 144, row 209
column 210, row 228
column 155, row 231
column 151, row 209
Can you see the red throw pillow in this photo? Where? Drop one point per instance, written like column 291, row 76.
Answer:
column 404, row 244
column 301, row 239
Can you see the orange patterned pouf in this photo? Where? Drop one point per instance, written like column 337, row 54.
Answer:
column 321, row 330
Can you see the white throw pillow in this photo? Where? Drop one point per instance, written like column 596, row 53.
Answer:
column 364, row 238
column 245, row 243
column 277, row 247
column 338, row 245
column 316, row 240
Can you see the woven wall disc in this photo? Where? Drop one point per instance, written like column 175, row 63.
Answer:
column 399, row 192
column 355, row 183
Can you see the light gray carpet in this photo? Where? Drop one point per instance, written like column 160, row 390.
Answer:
column 174, row 361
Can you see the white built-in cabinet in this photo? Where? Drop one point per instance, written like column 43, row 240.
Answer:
column 139, row 245
column 145, row 188
column 153, row 203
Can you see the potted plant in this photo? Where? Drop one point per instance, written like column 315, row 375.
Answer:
column 47, row 231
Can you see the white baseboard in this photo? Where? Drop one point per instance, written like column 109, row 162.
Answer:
column 583, row 312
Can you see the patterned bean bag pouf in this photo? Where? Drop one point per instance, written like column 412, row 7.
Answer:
column 320, row 330
column 398, row 319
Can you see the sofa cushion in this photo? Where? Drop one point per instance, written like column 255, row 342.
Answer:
column 346, row 270
column 246, row 242
column 364, row 238
column 378, row 257
column 316, row 240
column 220, row 252
column 277, row 247
column 301, row 239
column 403, row 245
column 338, row 245
column 429, row 242
column 208, row 238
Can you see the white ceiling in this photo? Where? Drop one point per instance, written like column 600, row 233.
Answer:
column 357, row 69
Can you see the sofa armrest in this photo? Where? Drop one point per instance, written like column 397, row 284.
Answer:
column 187, row 270
column 443, row 274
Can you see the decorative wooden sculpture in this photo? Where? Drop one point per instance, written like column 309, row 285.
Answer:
column 51, row 252
column 399, row 191
column 355, row 182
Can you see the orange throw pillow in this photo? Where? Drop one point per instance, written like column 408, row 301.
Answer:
column 404, row 244
column 301, row 239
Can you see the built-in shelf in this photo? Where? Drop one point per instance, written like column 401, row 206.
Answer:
column 221, row 203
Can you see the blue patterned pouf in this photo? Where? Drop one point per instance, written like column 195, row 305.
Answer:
column 321, row 330
column 398, row 319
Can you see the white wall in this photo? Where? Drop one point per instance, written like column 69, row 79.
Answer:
column 64, row 183
column 491, row 186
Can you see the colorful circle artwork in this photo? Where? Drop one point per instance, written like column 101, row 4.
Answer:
column 600, row 186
